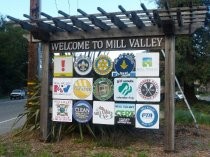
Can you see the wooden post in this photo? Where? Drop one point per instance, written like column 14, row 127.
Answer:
column 169, row 93
column 44, row 108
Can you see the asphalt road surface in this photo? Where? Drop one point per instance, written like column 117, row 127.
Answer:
column 9, row 110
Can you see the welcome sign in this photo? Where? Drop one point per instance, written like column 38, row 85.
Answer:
column 108, row 44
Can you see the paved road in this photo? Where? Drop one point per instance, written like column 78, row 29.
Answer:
column 9, row 110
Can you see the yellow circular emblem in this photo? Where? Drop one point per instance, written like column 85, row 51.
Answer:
column 82, row 88
column 103, row 65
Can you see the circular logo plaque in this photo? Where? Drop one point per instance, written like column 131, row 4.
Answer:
column 103, row 65
column 147, row 116
column 82, row 88
column 148, row 89
column 124, row 64
column 103, row 89
column 83, row 65
column 82, row 111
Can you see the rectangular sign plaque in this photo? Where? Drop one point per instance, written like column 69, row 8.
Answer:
column 133, row 43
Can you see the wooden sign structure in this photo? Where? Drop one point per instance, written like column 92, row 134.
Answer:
column 125, row 30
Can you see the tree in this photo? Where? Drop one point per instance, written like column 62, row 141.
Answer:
column 192, row 58
column 13, row 57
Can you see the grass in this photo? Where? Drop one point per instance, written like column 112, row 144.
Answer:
column 201, row 110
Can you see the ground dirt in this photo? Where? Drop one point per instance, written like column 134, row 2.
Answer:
column 189, row 142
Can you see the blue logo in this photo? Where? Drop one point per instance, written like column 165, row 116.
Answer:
column 82, row 111
column 147, row 116
column 124, row 64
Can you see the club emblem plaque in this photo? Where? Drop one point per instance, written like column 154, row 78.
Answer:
column 124, row 64
column 103, row 65
column 148, row 89
column 103, row 89
column 83, row 65
column 82, row 111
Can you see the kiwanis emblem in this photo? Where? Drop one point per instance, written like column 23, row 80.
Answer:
column 124, row 64
column 103, row 65
column 103, row 89
column 83, row 65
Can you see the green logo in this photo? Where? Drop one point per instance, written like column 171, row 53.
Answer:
column 147, row 62
column 125, row 89
column 103, row 89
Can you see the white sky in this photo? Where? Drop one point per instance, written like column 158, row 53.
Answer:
column 16, row 8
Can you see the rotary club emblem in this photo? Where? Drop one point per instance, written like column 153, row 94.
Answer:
column 103, row 65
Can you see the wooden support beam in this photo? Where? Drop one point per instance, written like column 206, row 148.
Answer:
column 97, row 22
column 60, row 24
column 179, row 17
column 44, row 98
column 115, row 20
column 77, row 22
column 169, row 109
column 157, row 18
column 136, row 20
column 133, row 17
column 44, row 26
column 147, row 13
column 168, row 27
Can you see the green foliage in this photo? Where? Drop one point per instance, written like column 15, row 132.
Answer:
column 3, row 149
column 32, row 111
column 13, row 58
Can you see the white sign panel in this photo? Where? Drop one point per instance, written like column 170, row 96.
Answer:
column 125, row 89
column 62, row 88
column 147, row 64
column 103, row 112
column 63, row 66
column 147, row 116
column 83, row 88
column 62, row 110
column 148, row 89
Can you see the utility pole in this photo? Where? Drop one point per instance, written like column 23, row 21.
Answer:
column 32, row 51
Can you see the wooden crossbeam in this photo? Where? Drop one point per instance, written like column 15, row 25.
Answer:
column 157, row 18
column 77, row 22
column 97, row 22
column 179, row 17
column 133, row 17
column 147, row 13
column 115, row 20
column 44, row 26
column 136, row 20
column 60, row 24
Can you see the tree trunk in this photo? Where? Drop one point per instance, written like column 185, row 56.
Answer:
column 189, row 93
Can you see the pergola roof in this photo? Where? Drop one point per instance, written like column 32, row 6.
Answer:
column 183, row 20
